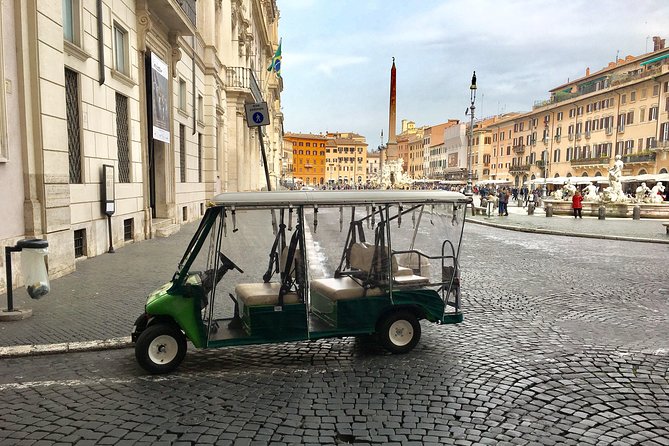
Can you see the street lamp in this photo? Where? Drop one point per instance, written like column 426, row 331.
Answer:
column 472, row 96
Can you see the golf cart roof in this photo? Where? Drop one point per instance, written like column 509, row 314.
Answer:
column 336, row 198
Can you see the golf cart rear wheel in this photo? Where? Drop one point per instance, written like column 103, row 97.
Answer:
column 399, row 332
column 160, row 348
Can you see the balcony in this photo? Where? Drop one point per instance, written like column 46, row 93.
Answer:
column 603, row 161
column 178, row 15
column 578, row 136
column 570, row 136
column 639, row 158
column 587, row 134
column 519, row 168
column 243, row 80
column 558, row 138
column 519, row 149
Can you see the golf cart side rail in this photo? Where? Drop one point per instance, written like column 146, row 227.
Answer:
column 335, row 198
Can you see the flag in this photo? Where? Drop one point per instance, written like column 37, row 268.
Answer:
column 275, row 65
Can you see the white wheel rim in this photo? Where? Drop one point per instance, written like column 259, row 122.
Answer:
column 163, row 349
column 401, row 332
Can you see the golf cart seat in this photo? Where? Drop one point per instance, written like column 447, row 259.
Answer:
column 251, row 294
column 342, row 288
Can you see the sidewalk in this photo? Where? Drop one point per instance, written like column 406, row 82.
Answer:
column 645, row 230
column 96, row 306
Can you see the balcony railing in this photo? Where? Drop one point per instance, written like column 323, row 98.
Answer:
column 243, row 78
column 188, row 6
column 590, row 161
column 519, row 149
column 639, row 158
column 519, row 168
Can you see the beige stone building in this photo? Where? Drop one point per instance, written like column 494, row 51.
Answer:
column 622, row 109
column 154, row 88
column 373, row 165
column 346, row 159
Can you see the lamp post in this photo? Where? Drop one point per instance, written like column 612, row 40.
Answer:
column 472, row 96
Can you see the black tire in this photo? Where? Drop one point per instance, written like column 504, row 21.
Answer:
column 160, row 348
column 399, row 332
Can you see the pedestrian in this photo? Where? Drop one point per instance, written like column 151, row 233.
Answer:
column 577, row 204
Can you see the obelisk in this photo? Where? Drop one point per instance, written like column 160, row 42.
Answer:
column 390, row 152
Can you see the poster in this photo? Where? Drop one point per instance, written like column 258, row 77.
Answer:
column 159, row 95
column 453, row 160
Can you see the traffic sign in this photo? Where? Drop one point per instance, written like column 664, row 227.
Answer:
column 257, row 114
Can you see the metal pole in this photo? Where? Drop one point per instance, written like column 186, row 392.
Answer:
column 264, row 158
column 111, row 246
column 8, row 271
column 472, row 94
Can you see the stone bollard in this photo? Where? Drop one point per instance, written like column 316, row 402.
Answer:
column 636, row 213
column 520, row 203
column 530, row 208
column 549, row 210
column 602, row 213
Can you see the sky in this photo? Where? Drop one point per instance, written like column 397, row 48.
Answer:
column 337, row 54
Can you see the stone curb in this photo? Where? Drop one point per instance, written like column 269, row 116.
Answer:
column 565, row 234
column 65, row 347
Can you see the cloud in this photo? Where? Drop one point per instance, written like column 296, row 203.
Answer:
column 321, row 63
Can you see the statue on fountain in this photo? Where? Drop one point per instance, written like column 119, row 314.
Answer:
column 614, row 193
column 641, row 193
column 568, row 190
column 657, row 193
column 591, row 193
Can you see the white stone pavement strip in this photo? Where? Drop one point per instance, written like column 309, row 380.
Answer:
column 45, row 349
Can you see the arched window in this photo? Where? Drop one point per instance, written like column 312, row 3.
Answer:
column 642, row 172
column 569, row 175
column 598, row 174
column 585, row 174
column 663, row 171
column 556, row 175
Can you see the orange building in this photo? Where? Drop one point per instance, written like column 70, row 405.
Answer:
column 308, row 158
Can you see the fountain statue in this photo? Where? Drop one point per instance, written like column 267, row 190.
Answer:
column 656, row 193
column 641, row 193
column 392, row 176
column 591, row 193
column 614, row 193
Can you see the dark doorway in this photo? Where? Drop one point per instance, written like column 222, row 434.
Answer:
column 149, row 132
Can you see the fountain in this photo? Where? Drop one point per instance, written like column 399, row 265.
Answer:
column 612, row 198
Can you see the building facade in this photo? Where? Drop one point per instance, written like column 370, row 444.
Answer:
column 154, row 90
column 308, row 158
column 622, row 109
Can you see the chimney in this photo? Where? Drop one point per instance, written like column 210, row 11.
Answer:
column 658, row 43
column 587, row 71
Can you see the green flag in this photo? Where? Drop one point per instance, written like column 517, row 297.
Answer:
column 275, row 65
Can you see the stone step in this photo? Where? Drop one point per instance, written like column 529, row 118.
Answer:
column 164, row 227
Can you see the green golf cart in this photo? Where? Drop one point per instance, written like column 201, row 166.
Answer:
column 267, row 267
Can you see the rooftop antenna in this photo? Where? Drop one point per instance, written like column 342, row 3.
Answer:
column 617, row 53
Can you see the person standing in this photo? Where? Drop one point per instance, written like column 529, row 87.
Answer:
column 577, row 204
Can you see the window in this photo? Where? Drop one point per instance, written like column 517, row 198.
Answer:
column 122, row 138
column 630, row 117
column 182, row 152
column 652, row 113
column 642, row 114
column 623, row 99
column 121, row 63
column 182, row 95
column 633, row 96
column 559, row 116
column 128, row 230
column 73, row 124
column 556, row 156
column 71, row 21
column 200, row 108
column 656, row 90
column 79, row 243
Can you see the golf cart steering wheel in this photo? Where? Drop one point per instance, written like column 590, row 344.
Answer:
column 228, row 263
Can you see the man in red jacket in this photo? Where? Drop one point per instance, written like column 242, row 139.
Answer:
column 577, row 204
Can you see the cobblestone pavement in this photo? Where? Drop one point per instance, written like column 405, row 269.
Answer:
column 565, row 341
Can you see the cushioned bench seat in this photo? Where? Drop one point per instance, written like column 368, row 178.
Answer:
column 342, row 288
column 251, row 294
column 411, row 279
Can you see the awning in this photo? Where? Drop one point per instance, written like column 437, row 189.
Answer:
column 654, row 59
column 650, row 177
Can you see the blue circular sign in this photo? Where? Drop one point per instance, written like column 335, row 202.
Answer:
column 258, row 117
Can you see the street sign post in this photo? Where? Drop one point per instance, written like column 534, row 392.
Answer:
column 257, row 114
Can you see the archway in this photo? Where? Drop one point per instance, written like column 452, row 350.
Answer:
column 585, row 174
column 663, row 171
column 598, row 174
column 517, row 181
column 569, row 175
column 642, row 172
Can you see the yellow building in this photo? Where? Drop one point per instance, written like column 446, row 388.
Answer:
column 308, row 158
column 619, row 110
column 346, row 159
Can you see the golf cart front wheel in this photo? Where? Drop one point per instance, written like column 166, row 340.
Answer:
column 399, row 332
column 160, row 348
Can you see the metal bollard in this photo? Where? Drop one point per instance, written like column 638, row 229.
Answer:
column 636, row 213
column 530, row 208
column 602, row 213
column 549, row 210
